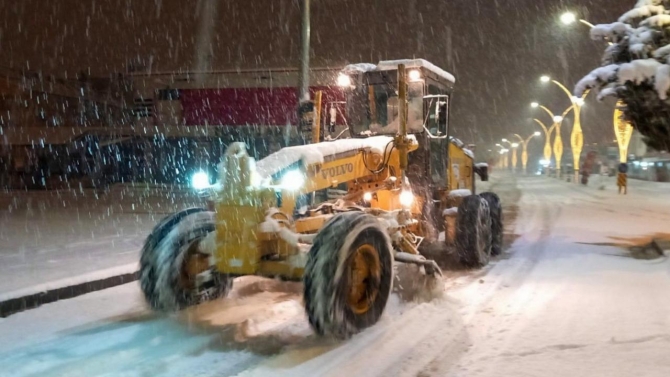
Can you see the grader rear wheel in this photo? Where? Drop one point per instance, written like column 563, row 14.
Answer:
column 348, row 275
column 173, row 273
column 495, row 209
column 473, row 232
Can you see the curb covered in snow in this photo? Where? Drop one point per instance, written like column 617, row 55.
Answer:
column 34, row 297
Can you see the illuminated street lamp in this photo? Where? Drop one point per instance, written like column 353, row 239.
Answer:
column 524, row 144
column 577, row 135
column 569, row 18
column 514, row 146
column 547, row 139
column 623, row 131
column 558, row 140
column 503, row 159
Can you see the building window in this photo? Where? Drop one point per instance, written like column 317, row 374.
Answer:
column 143, row 107
column 167, row 94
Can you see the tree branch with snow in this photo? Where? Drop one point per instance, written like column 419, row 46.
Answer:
column 636, row 69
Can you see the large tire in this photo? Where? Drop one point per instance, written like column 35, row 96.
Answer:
column 495, row 209
column 473, row 232
column 162, row 262
column 348, row 243
column 148, row 256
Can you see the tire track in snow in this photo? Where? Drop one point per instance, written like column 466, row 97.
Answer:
column 501, row 310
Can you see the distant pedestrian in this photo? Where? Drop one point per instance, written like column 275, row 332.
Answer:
column 622, row 178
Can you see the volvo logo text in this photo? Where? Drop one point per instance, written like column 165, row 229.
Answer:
column 337, row 170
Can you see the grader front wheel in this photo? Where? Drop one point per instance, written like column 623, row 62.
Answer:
column 348, row 275
column 173, row 273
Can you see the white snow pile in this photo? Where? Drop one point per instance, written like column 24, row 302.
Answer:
column 460, row 193
column 659, row 21
column 469, row 153
column 662, row 53
column 453, row 211
column 639, row 54
column 457, row 142
column 638, row 71
column 387, row 65
column 481, row 165
column 316, row 153
column 358, row 68
column 610, row 31
column 272, row 225
column 662, row 84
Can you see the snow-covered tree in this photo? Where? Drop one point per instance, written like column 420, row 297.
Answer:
column 636, row 69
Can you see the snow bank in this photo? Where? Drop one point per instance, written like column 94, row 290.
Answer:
column 74, row 280
column 316, row 153
column 387, row 65
column 481, row 165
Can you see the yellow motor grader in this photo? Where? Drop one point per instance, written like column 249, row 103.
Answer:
column 398, row 177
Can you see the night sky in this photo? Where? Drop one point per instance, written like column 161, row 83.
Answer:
column 497, row 49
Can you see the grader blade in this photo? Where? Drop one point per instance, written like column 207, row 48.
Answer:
column 429, row 265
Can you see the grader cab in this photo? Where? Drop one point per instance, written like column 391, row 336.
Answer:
column 401, row 173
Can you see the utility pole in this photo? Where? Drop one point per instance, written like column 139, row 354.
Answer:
column 304, row 58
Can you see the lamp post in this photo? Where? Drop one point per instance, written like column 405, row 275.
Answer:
column 577, row 135
column 503, row 158
column 623, row 131
column 547, row 140
column 558, row 140
column 503, row 153
column 514, row 146
column 524, row 146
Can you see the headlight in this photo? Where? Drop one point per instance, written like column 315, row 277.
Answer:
column 293, row 180
column 414, row 75
column 406, row 198
column 343, row 80
column 367, row 197
column 200, row 180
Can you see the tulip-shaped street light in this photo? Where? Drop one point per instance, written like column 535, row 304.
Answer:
column 558, row 140
column 514, row 146
column 524, row 146
column 577, row 135
column 547, row 139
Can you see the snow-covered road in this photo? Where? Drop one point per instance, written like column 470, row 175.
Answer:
column 566, row 299
column 54, row 239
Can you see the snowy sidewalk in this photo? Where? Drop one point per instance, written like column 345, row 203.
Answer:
column 52, row 240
